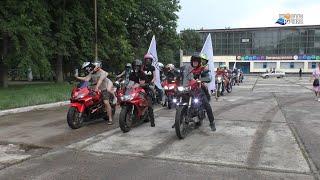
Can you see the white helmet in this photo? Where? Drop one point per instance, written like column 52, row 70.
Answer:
column 87, row 66
column 170, row 67
column 97, row 64
column 161, row 66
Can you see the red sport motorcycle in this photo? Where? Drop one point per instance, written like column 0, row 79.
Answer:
column 86, row 105
column 170, row 88
column 190, row 111
column 134, row 108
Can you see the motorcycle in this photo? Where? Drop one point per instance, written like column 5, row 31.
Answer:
column 170, row 91
column 120, row 85
column 190, row 111
column 220, row 86
column 86, row 105
column 229, row 84
column 134, row 108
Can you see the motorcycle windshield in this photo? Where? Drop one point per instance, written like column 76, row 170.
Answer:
column 83, row 84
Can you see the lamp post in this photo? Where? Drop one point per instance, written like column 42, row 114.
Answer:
column 96, row 30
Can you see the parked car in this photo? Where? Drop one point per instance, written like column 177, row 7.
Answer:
column 277, row 74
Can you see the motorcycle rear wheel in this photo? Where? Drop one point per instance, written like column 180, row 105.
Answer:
column 180, row 124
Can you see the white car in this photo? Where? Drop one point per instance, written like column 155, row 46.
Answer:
column 277, row 74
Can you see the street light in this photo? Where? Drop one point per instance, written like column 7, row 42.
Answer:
column 96, row 30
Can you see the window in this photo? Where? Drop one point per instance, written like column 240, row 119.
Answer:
column 264, row 65
column 313, row 65
column 291, row 65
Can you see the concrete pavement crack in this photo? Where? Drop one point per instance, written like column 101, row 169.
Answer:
column 299, row 141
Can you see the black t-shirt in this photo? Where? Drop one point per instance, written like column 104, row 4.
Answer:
column 137, row 76
column 148, row 72
column 170, row 75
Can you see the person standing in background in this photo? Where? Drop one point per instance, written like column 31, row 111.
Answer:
column 316, row 85
column 300, row 73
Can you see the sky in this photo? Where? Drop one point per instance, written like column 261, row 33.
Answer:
column 216, row 14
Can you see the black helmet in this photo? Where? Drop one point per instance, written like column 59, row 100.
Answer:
column 200, row 57
column 136, row 65
column 195, row 57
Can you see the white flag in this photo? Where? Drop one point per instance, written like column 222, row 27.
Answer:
column 208, row 51
column 153, row 51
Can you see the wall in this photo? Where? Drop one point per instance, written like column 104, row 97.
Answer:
column 257, row 66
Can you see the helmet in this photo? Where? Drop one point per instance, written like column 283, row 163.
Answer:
column 170, row 67
column 196, row 57
column 148, row 58
column 204, row 58
column 161, row 66
column 128, row 65
column 97, row 64
column 136, row 65
column 87, row 66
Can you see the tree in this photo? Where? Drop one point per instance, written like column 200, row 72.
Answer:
column 23, row 25
column 191, row 41
column 155, row 17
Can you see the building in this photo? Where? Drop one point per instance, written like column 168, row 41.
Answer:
column 285, row 48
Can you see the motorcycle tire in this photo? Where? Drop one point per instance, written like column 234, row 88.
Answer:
column 73, row 119
column 125, row 119
column 180, row 125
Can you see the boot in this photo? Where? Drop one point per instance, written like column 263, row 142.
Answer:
column 151, row 116
column 213, row 126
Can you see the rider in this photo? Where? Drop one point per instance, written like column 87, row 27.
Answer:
column 225, row 75
column 161, row 68
column 150, row 73
column 171, row 74
column 140, row 78
column 198, row 69
column 126, row 72
column 103, row 83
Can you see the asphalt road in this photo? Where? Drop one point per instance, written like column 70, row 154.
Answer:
column 266, row 129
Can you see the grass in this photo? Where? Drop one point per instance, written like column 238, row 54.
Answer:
column 34, row 94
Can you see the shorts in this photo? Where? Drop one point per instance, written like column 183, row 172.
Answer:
column 106, row 95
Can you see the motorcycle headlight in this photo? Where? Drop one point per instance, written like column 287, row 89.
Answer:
column 181, row 88
column 79, row 96
column 196, row 100
column 166, row 87
column 126, row 98
column 171, row 87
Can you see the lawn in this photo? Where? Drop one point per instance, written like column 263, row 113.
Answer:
column 27, row 95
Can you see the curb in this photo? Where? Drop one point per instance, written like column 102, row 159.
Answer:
column 31, row 108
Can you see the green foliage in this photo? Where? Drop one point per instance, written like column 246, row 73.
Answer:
column 39, row 31
column 191, row 41
column 27, row 95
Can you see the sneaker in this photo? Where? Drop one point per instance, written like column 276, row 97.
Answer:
column 213, row 127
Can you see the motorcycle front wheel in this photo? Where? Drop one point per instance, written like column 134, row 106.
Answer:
column 74, row 119
column 180, row 122
column 125, row 118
